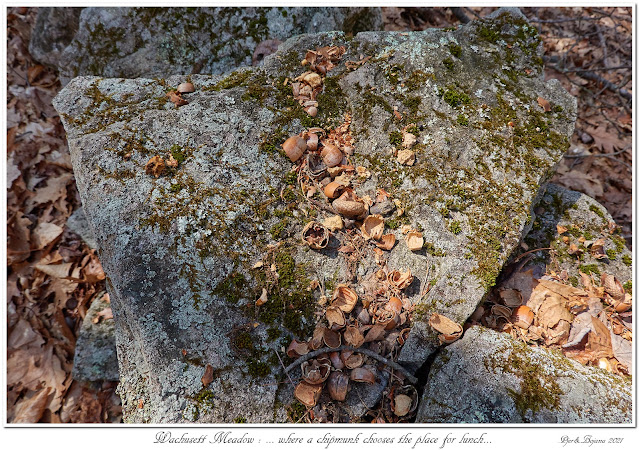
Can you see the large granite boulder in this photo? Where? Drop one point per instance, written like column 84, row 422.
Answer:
column 157, row 42
column 180, row 250
column 489, row 377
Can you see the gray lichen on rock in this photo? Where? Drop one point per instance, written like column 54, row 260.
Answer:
column 179, row 249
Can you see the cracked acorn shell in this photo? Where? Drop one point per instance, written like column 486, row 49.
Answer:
column 336, row 360
column 400, row 280
column 312, row 141
column 386, row 242
column 294, row 147
column 344, row 298
column 316, row 235
column 315, row 372
column 363, row 375
column 334, row 189
column 373, row 227
column 331, row 155
column 335, row 317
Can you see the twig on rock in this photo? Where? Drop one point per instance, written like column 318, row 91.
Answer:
column 364, row 351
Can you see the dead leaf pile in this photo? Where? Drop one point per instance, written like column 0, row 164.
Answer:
column 592, row 325
column 52, row 275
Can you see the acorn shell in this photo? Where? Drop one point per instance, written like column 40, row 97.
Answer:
column 522, row 317
column 344, row 298
column 185, row 88
column 333, row 189
column 373, row 227
column 308, row 394
column 294, row 147
column 400, row 280
column 331, row 155
column 316, row 235
column 363, row 375
column 348, row 205
column 386, row 242
column 338, row 386
column 312, row 141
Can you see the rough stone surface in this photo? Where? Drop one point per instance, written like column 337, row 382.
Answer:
column 488, row 377
column 95, row 355
column 157, row 42
column 583, row 217
column 79, row 225
column 54, row 30
column 179, row 249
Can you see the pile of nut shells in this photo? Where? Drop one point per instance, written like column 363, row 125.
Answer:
column 367, row 326
column 358, row 336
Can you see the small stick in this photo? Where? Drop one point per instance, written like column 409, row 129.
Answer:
column 364, row 351
column 282, row 363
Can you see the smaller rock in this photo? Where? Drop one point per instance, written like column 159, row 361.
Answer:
column 95, row 354
column 489, row 377
column 586, row 138
column 384, row 208
column 78, row 223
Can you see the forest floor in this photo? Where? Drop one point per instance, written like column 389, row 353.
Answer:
column 53, row 276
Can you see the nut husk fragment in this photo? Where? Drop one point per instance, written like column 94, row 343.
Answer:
column 308, row 394
column 414, row 241
column 338, row 386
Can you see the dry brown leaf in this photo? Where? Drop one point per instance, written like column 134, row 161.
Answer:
column 55, row 270
column 564, row 290
column 155, row 166
column 207, row 378
column 544, row 104
column 45, row 233
column 552, row 310
column 31, row 408
column 445, row 325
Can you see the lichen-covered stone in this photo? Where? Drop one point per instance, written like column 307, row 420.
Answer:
column 488, row 377
column 157, row 42
column 79, row 225
column 582, row 217
column 180, row 250
column 95, row 353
